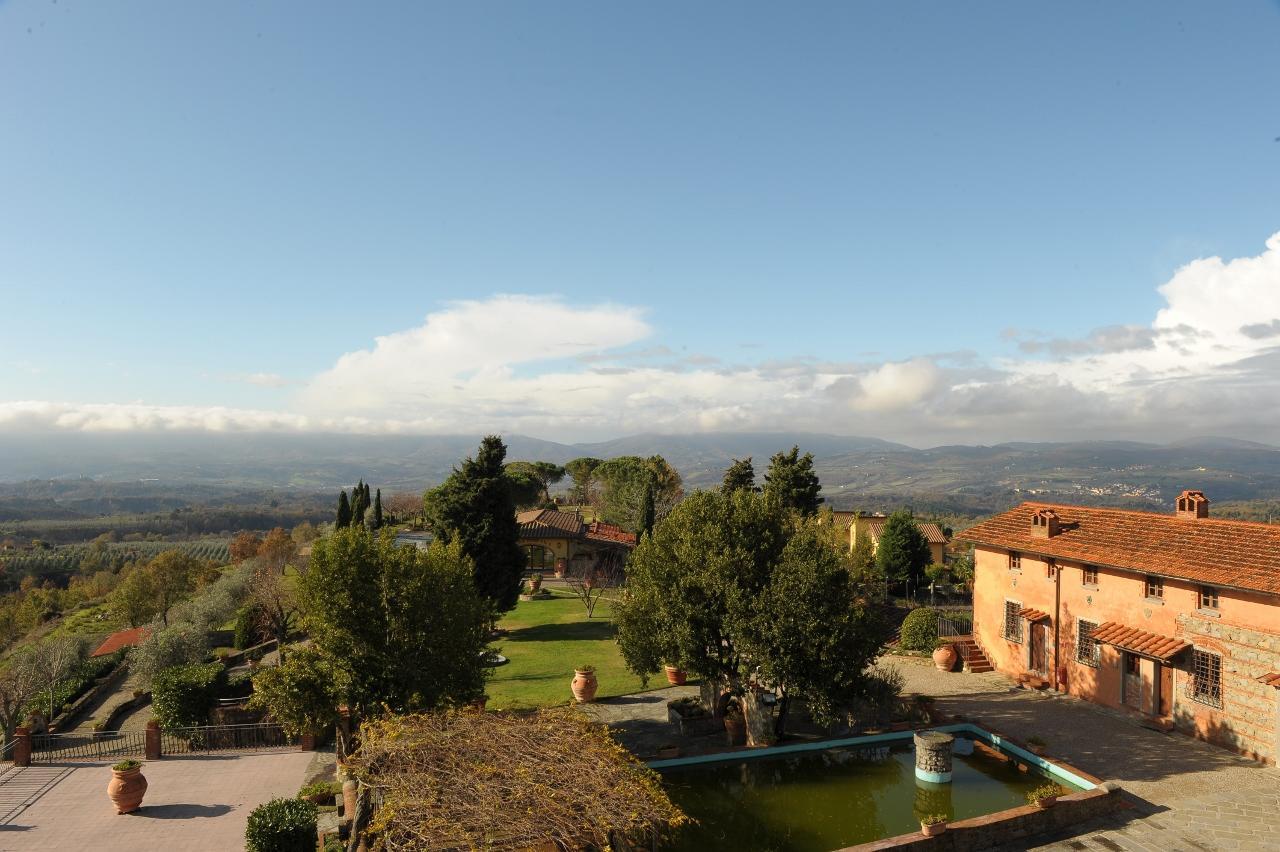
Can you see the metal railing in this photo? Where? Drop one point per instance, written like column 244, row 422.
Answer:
column 56, row 748
column 207, row 739
column 955, row 621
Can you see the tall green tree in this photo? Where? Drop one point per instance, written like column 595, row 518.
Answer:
column 791, row 482
column 740, row 476
column 546, row 473
column 526, row 488
column 407, row 627
column 647, row 512
column 343, row 518
column 474, row 507
column 622, row 484
column 902, row 552
column 582, row 471
column 755, row 591
column 377, row 510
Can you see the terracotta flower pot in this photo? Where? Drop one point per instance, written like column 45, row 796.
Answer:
column 350, row 792
column 675, row 676
column 126, row 789
column 736, row 729
column 945, row 658
column 584, row 686
column 560, row 568
column 933, row 830
column 1046, row 803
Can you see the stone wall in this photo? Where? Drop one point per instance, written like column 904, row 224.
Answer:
column 1246, row 722
column 1012, row 827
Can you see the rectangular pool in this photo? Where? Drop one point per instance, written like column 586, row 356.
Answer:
column 817, row 800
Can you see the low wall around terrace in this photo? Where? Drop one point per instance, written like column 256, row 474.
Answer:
column 1007, row 828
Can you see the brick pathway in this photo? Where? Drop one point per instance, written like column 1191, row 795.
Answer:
column 192, row 804
column 1187, row 796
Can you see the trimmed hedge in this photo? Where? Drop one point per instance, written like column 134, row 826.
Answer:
column 282, row 825
column 920, row 630
column 182, row 695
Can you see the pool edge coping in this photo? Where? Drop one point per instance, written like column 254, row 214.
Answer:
column 1054, row 770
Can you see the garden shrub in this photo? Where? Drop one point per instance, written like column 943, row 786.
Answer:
column 282, row 825
column 182, row 695
column 246, row 627
column 920, row 630
column 80, row 681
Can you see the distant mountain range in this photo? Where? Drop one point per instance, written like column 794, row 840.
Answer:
column 855, row 471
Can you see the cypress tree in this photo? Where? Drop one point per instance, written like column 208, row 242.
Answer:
column 344, row 511
column 377, row 510
column 741, row 476
column 475, row 506
column 646, row 512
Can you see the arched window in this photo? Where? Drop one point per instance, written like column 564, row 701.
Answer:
column 539, row 557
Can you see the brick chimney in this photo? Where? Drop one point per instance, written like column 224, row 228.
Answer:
column 1044, row 523
column 1192, row 505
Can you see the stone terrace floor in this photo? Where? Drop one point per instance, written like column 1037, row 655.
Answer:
column 192, row 804
column 1186, row 796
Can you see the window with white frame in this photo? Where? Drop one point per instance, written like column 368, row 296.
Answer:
column 1015, row 560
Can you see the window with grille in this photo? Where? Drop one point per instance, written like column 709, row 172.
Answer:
column 1208, row 597
column 1206, row 678
column 1155, row 587
column 1012, row 621
column 1086, row 645
column 1089, row 576
column 1015, row 561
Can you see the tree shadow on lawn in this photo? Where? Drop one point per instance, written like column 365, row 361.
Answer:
column 595, row 630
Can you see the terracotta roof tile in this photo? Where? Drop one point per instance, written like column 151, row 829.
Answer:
column 932, row 532
column 1214, row 551
column 1141, row 642
column 600, row 531
column 1271, row 679
column 122, row 639
column 550, row 523
column 1033, row 614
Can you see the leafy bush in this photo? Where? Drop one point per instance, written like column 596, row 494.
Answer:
column 880, row 689
column 181, row 695
column 320, row 788
column 179, row 645
column 920, row 630
column 1044, row 791
column 126, row 765
column 79, row 682
column 246, row 627
column 282, row 825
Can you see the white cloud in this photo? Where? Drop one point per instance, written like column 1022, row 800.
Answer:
column 1208, row 362
column 266, row 380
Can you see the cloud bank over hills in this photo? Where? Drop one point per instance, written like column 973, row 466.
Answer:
column 1207, row 363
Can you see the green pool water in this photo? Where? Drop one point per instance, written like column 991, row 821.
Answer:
column 823, row 800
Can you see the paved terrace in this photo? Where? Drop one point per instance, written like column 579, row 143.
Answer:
column 1187, row 796
column 193, row 804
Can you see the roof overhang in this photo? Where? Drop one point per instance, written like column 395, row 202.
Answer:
column 1141, row 642
column 1271, row 679
column 1033, row 614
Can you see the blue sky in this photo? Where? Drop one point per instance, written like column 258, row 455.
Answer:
column 841, row 217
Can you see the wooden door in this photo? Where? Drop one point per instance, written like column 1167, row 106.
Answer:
column 1132, row 681
column 1164, row 679
column 1039, row 650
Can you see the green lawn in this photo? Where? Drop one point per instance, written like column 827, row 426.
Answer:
column 548, row 639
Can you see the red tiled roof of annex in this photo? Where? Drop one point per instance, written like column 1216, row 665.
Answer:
column 551, row 523
column 122, row 639
column 1140, row 642
column 1213, row 551
column 932, row 532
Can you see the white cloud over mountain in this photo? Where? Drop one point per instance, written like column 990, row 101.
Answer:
column 1208, row 362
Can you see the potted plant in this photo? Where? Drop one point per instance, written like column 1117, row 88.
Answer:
column 584, row 684
column 944, row 656
column 675, row 675
column 560, row 569
column 1044, row 796
column 320, row 792
column 735, row 726
column 127, row 786
column 1036, row 745
column 535, row 582
column 931, row 825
